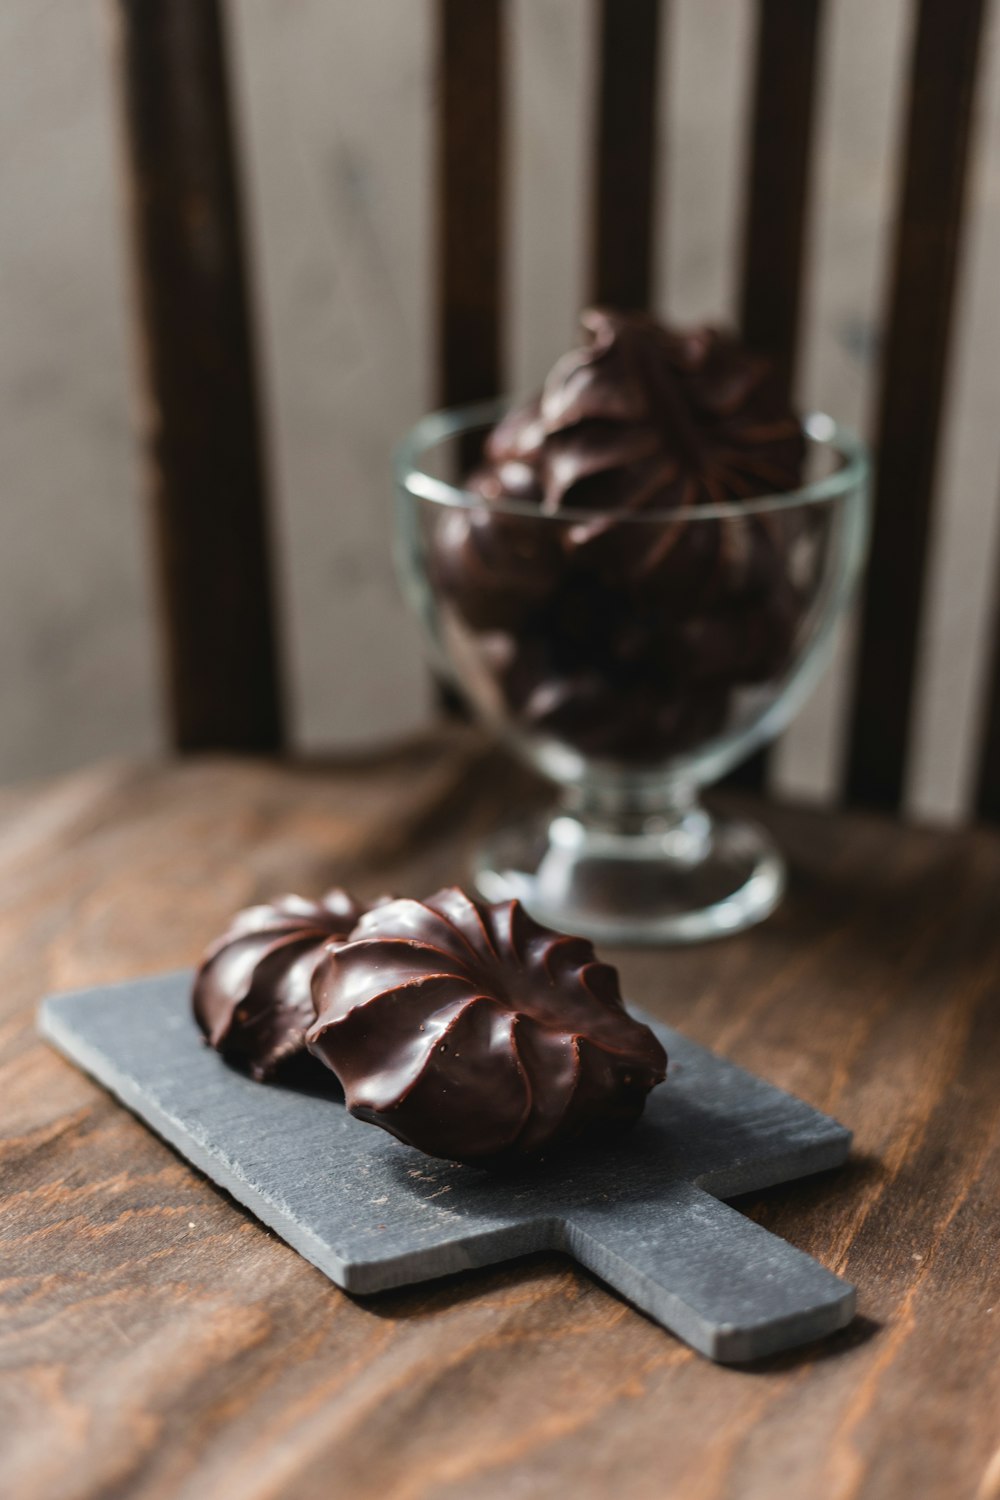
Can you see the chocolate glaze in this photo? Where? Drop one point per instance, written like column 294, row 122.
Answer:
column 476, row 1035
column 252, row 993
column 499, row 568
column 645, row 418
column 623, row 636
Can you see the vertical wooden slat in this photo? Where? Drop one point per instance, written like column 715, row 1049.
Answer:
column 775, row 221
column 943, row 74
column 777, row 193
column 470, row 218
column 988, row 781
column 625, row 153
column 200, row 410
column 470, row 199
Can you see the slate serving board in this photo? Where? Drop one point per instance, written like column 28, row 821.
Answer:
column 643, row 1215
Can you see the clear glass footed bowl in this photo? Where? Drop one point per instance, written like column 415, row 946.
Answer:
column 633, row 658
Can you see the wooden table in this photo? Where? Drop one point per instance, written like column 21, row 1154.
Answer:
column 157, row 1342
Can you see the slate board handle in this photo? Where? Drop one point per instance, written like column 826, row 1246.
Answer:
column 718, row 1280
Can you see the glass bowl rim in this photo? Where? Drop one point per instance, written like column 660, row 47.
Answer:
column 451, row 422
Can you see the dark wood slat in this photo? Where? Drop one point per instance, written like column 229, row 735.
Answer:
column 470, row 199
column 775, row 220
column 988, row 787
column 470, row 218
column 625, row 153
column 775, row 225
column 943, row 75
column 206, row 468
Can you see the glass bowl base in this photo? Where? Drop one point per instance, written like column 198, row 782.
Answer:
column 661, row 881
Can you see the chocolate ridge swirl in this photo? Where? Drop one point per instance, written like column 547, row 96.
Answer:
column 252, row 993
column 477, row 1035
column 643, row 417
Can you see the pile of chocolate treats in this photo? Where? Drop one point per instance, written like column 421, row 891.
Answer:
column 466, row 1030
column 608, row 613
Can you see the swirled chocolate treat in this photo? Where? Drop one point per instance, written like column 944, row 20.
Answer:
column 645, row 418
column 252, row 992
column 628, row 630
column 474, row 1034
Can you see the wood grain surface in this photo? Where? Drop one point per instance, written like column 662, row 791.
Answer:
column 155, row 1341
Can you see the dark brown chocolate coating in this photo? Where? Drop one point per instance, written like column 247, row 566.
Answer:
column 496, row 568
column 474, row 1034
column 645, row 418
column 252, row 994
column 625, row 635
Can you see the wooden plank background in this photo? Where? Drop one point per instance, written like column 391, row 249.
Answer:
column 334, row 103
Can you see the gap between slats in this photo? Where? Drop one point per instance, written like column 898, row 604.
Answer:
column 988, row 784
column 854, row 175
column 706, row 75
column 552, row 57
column 335, row 104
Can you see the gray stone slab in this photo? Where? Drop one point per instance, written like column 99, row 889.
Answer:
column 644, row 1214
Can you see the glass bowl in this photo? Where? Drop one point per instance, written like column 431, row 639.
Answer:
column 632, row 658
